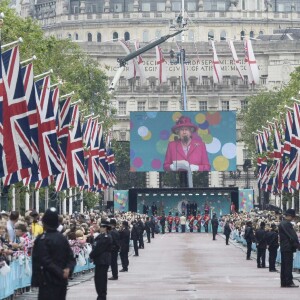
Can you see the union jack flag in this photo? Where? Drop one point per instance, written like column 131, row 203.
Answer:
column 264, row 162
column 74, row 172
column 294, row 173
column 103, row 166
column 111, row 165
column 49, row 163
column 287, row 151
column 14, row 127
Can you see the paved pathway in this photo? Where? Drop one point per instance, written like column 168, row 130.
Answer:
column 190, row 266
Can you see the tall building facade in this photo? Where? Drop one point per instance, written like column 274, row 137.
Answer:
column 96, row 25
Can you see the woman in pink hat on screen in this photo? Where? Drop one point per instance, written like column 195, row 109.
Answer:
column 186, row 152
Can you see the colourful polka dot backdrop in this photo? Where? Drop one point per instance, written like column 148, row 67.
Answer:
column 246, row 200
column 150, row 133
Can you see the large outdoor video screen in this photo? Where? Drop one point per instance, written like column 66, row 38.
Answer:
column 182, row 141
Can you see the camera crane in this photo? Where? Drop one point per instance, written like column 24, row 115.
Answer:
column 123, row 61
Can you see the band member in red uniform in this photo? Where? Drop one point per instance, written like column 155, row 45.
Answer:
column 198, row 218
column 191, row 219
column 232, row 208
column 170, row 221
column 177, row 222
column 206, row 219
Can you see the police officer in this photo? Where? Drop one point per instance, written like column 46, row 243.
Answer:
column 272, row 242
column 162, row 222
column 52, row 260
column 135, row 237
column 141, row 228
column 152, row 222
column 114, row 249
column 249, row 237
column 261, row 244
column 101, row 256
column 124, row 245
column 214, row 226
column 148, row 229
column 288, row 245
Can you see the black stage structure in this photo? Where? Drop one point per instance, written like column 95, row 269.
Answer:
column 133, row 193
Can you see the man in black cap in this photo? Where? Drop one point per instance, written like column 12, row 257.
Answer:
column 135, row 237
column 101, row 256
column 124, row 245
column 272, row 242
column 288, row 245
column 162, row 222
column 52, row 260
column 214, row 226
column 261, row 244
column 148, row 229
column 114, row 249
column 249, row 237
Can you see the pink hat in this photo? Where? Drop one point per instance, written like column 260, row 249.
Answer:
column 183, row 122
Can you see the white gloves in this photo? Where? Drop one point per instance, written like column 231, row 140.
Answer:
column 194, row 168
column 173, row 167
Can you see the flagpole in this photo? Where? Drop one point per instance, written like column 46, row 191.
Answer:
column 37, row 200
column 28, row 60
column 64, row 204
column 27, row 198
column 70, row 202
column 46, row 197
column 13, row 195
column 81, row 202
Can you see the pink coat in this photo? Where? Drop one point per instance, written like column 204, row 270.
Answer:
column 196, row 155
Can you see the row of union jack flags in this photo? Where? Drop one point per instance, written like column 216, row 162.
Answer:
column 41, row 138
column 278, row 149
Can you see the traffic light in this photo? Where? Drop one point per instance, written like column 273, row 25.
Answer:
column 172, row 54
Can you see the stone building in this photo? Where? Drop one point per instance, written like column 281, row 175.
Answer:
column 96, row 24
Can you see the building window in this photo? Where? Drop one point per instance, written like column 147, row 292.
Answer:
column 126, row 36
column 223, row 36
column 261, row 33
column 225, row 105
column 90, row 37
column 122, row 108
column 145, row 6
column 244, row 104
column 226, row 80
column 122, row 135
column 115, row 36
column 243, row 4
column 141, row 106
column 99, row 37
column 163, row 105
column 203, row 105
column 251, row 34
column 161, row 6
column 191, row 6
column 76, row 10
column 191, row 35
column 205, row 80
column 158, row 34
column 176, row 6
column 145, row 36
column 76, row 36
column 69, row 36
column 242, row 35
column 118, row 8
column 211, row 35
column 122, row 82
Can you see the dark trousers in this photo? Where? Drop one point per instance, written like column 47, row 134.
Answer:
column 163, row 227
column 148, row 236
column 199, row 229
column 135, row 246
column 206, row 227
column 50, row 292
column 141, row 241
column 176, row 228
column 286, row 275
column 191, row 228
column 152, row 232
column 182, row 228
column 261, row 257
column 227, row 238
column 170, row 227
column 249, row 249
column 114, row 264
column 272, row 258
column 124, row 260
column 214, row 231
column 100, row 281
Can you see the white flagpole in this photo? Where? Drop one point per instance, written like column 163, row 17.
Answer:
column 46, row 197
column 81, row 202
column 13, row 194
column 70, row 202
column 27, row 198
column 64, row 205
column 37, row 200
